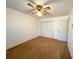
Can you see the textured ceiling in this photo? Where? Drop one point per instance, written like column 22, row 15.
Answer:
column 61, row 7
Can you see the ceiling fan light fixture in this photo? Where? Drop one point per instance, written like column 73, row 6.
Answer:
column 39, row 14
column 39, row 10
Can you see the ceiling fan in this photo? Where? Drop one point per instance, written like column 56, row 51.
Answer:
column 40, row 9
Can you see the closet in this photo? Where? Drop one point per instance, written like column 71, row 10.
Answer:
column 54, row 28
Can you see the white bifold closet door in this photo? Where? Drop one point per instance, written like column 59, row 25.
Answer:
column 47, row 30
column 54, row 29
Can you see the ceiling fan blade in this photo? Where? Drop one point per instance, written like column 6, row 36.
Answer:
column 50, row 1
column 47, row 8
column 31, row 5
column 32, row 1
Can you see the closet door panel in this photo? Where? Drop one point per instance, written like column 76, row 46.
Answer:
column 51, row 29
column 43, row 29
column 60, row 30
column 47, row 29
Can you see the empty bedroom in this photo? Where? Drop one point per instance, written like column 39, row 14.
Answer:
column 39, row 29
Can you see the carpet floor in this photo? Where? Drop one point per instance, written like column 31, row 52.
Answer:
column 40, row 48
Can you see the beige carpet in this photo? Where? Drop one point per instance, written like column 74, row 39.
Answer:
column 40, row 48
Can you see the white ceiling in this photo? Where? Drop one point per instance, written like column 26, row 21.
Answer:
column 61, row 7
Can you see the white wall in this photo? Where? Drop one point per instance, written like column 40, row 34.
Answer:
column 20, row 28
column 54, row 27
column 70, row 35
